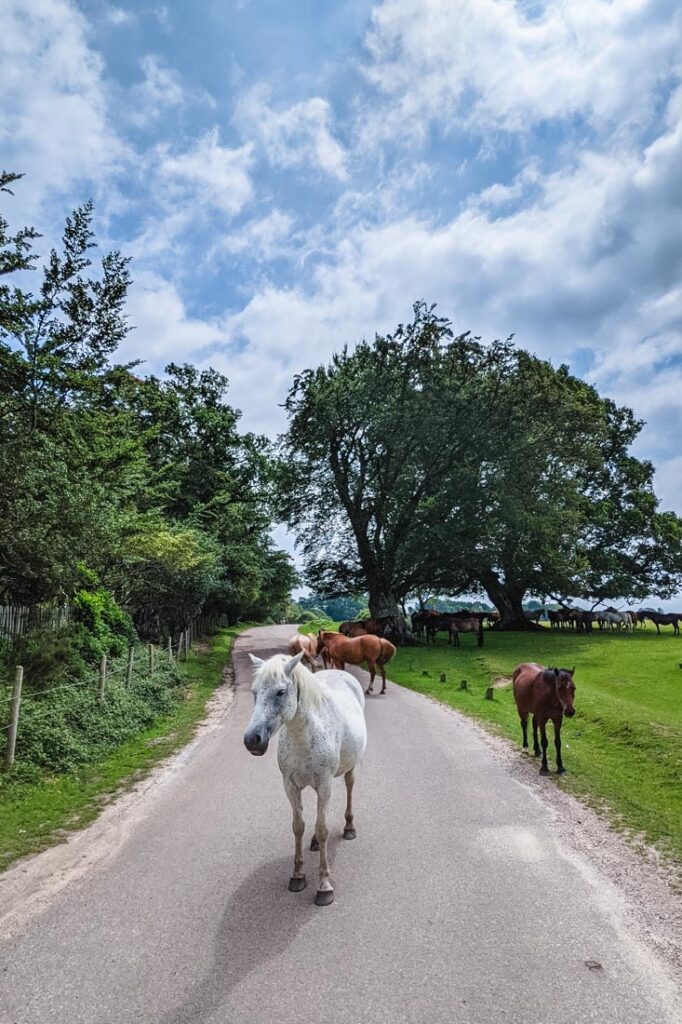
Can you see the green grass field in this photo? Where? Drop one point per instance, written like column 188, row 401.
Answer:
column 35, row 815
column 623, row 748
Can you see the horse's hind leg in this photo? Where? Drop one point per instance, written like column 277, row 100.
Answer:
column 297, row 881
column 372, row 672
column 325, row 891
column 349, row 830
column 536, row 745
column 524, row 729
column 383, row 678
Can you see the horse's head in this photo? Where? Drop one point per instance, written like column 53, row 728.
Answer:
column 565, row 689
column 276, row 699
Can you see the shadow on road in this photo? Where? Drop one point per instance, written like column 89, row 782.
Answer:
column 261, row 919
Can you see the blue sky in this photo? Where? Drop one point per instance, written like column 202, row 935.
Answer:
column 289, row 177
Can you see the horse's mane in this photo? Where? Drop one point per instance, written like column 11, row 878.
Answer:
column 309, row 690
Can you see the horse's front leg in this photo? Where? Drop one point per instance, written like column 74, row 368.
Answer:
column 325, row 891
column 544, row 769
column 524, row 729
column 557, row 743
column 297, row 881
column 536, row 745
column 349, row 830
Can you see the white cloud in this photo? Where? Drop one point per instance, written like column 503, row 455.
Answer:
column 53, row 117
column 216, row 175
column 262, row 239
column 119, row 16
column 162, row 89
column 296, row 136
column 501, row 64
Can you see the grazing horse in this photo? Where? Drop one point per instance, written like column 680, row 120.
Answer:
column 665, row 619
column 535, row 615
column 375, row 650
column 306, row 644
column 472, row 625
column 544, row 693
column 323, row 735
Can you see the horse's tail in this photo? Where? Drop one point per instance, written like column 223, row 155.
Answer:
column 386, row 652
column 480, row 633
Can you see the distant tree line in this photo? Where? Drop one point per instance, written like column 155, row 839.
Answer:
column 114, row 481
column 427, row 463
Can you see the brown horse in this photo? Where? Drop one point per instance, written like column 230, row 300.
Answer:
column 665, row 619
column 356, row 628
column 307, row 643
column 342, row 650
column 544, row 693
column 471, row 625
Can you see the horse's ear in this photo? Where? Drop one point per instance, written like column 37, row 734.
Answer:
column 291, row 664
column 255, row 660
column 572, row 672
column 556, row 672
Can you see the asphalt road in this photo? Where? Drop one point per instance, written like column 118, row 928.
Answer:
column 456, row 903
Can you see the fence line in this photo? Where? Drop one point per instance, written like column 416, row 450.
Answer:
column 15, row 619
column 127, row 671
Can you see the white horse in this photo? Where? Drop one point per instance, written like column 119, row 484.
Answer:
column 323, row 735
column 617, row 619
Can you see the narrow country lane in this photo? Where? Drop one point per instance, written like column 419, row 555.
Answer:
column 456, row 903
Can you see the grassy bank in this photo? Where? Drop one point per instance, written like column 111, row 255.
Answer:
column 623, row 749
column 35, row 814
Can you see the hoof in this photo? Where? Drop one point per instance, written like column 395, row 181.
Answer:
column 383, row 691
column 349, row 833
column 369, row 691
column 297, row 884
column 536, row 753
column 324, row 897
column 314, row 844
column 544, row 771
column 561, row 771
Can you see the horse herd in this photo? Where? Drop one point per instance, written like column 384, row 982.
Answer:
column 583, row 621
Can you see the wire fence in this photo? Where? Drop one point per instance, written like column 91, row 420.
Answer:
column 140, row 663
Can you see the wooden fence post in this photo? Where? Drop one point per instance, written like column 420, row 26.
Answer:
column 102, row 677
column 129, row 667
column 14, row 716
column 170, row 648
column 151, row 659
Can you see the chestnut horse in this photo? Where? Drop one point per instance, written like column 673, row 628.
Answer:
column 355, row 628
column 305, row 643
column 342, row 650
column 544, row 693
column 471, row 625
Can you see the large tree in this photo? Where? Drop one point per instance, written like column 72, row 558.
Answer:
column 425, row 462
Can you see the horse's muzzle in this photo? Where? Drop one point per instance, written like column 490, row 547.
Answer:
column 256, row 741
column 569, row 712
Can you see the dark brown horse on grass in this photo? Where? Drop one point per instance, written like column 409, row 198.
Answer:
column 342, row 650
column 544, row 693
column 664, row 619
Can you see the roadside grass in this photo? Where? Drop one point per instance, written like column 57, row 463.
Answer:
column 34, row 815
column 623, row 748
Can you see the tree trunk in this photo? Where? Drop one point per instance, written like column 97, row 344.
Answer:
column 508, row 599
column 383, row 604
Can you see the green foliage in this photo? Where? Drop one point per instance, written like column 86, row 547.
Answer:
column 107, row 628
column 425, row 462
column 145, row 480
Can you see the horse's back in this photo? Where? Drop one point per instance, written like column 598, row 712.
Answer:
column 342, row 685
column 523, row 679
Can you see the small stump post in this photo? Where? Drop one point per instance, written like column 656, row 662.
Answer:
column 489, row 693
column 463, row 685
column 443, row 677
column 14, row 716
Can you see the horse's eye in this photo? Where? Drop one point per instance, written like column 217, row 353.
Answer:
column 280, row 693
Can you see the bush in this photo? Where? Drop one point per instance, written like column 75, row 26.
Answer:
column 60, row 731
column 107, row 628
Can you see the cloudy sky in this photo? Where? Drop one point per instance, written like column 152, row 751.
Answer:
column 289, row 177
